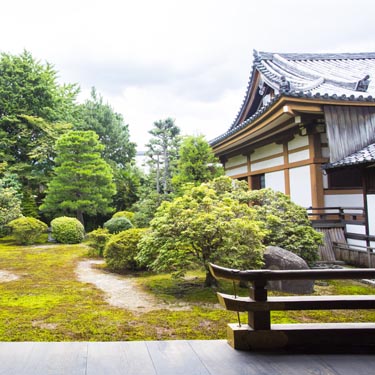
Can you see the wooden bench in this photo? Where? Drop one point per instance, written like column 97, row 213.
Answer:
column 259, row 333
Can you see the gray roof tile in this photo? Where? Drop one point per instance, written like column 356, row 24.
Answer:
column 366, row 155
column 311, row 75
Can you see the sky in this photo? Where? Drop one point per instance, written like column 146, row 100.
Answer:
column 189, row 60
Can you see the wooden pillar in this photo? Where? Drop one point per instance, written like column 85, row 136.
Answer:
column 259, row 319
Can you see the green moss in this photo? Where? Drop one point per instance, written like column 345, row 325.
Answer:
column 47, row 303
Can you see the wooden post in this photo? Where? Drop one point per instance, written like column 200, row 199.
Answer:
column 259, row 319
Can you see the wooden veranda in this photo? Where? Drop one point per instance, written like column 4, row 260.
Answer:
column 214, row 357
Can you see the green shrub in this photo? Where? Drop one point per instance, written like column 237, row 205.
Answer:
column 287, row 224
column 97, row 239
column 121, row 250
column 26, row 230
column 128, row 214
column 67, row 230
column 10, row 208
column 118, row 224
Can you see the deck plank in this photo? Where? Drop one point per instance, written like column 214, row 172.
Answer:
column 361, row 364
column 47, row 358
column 213, row 357
column 175, row 358
column 117, row 358
column 220, row 358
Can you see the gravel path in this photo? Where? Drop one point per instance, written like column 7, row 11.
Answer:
column 121, row 291
column 6, row 276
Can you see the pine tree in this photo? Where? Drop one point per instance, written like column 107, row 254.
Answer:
column 83, row 181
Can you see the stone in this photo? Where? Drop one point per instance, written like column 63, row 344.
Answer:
column 276, row 258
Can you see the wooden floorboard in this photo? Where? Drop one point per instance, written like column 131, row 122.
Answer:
column 214, row 357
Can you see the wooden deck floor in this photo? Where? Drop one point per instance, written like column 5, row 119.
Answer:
column 169, row 357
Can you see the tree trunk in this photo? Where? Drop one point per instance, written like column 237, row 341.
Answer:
column 80, row 217
column 210, row 280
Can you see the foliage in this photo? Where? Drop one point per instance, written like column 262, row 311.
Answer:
column 34, row 110
column 83, row 180
column 197, row 162
column 27, row 145
column 97, row 239
column 121, row 250
column 28, row 87
column 67, row 230
column 128, row 182
column 110, row 127
column 163, row 153
column 118, row 224
column 26, row 230
column 287, row 223
column 28, row 204
column 10, row 207
column 145, row 209
column 128, row 214
column 202, row 227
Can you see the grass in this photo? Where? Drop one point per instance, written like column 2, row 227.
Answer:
column 47, row 303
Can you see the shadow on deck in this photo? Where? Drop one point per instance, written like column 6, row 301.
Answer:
column 170, row 357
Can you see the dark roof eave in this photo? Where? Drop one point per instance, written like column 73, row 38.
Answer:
column 302, row 95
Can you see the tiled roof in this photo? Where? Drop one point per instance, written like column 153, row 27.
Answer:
column 319, row 76
column 366, row 155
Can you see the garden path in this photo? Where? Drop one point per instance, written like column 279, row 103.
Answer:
column 6, row 276
column 121, row 291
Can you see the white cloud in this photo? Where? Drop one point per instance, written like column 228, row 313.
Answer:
column 189, row 60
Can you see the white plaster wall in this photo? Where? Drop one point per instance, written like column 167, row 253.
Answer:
column 236, row 160
column 343, row 200
column 266, row 151
column 298, row 156
column 298, row 141
column 358, row 229
column 353, row 242
column 300, row 186
column 235, row 171
column 267, row 163
column 371, row 213
column 275, row 181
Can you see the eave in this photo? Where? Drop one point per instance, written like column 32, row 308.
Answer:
column 277, row 117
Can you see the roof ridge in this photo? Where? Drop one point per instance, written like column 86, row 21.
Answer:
column 317, row 56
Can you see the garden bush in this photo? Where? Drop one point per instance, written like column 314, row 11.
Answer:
column 117, row 224
column 67, row 230
column 97, row 239
column 26, row 230
column 121, row 250
column 128, row 214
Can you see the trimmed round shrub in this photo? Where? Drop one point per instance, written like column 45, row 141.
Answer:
column 128, row 214
column 26, row 230
column 97, row 239
column 122, row 249
column 117, row 224
column 67, row 230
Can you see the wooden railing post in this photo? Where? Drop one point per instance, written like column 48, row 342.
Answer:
column 259, row 319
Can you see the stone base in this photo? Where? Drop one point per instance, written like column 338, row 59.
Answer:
column 317, row 337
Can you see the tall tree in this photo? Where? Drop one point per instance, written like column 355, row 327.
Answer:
column 34, row 112
column 111, row 128
column 197, row 162
column 163, row 153
column 82, row 184
column 28, row 87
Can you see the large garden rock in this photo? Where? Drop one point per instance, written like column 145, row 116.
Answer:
column 276, row 258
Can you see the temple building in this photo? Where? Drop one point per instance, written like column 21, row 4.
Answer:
column 306, row 127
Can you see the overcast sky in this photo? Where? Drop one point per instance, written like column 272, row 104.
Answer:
column 189, row 60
